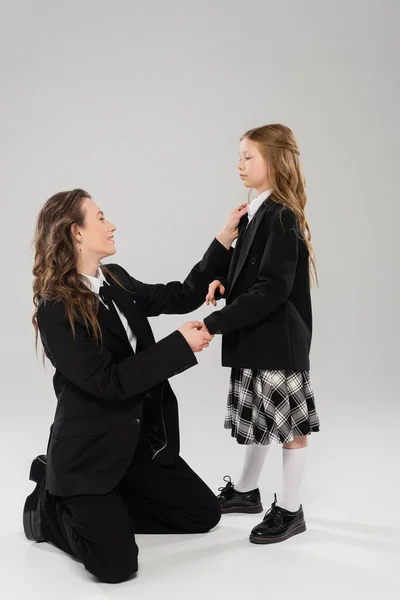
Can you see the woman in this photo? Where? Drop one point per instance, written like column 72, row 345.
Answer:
column 113, row 465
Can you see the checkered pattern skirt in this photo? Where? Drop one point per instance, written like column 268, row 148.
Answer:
column 265, row 406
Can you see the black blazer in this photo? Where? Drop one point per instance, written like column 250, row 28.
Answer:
column 267, row 320
column 107, row 394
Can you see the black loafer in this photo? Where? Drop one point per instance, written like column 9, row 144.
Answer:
column 232, row 501
column 32, row 511
column 278, row 525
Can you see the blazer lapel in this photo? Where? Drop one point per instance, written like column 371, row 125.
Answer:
column 248, row 240
column 109, row 319
column 236, row 254
column 139, row 325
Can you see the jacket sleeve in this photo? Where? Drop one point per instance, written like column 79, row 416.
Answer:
column 91, row 367
column 274, row 280
column 180, row 298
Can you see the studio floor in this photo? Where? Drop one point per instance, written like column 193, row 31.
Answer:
column 351, row 548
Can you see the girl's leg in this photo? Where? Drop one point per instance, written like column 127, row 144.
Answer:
column 253, row 463
column 294, row 458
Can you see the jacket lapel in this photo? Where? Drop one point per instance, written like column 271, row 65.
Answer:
column 244, row 247
column 138, row 324
column 108, row 318
column 236, row 254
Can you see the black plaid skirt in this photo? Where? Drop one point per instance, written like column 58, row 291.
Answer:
column 266, row 406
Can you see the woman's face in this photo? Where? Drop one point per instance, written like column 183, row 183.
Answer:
column 252, row 167
column 96, row 237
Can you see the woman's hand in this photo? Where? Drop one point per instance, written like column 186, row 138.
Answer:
column 196, row 336
column 231, row 230
column 215, row 285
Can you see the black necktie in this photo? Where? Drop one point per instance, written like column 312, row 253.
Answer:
column 106, row 295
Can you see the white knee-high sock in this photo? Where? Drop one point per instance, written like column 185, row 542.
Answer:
column 253, row 463
column 293, row 472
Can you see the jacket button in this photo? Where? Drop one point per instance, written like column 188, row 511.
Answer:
column 253, row 261
column 135, row 421
column 149, row 397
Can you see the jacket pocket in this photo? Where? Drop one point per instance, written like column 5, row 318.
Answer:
column 78, row 428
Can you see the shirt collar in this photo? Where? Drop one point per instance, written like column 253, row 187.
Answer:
column 257, row 202
column 94, row 283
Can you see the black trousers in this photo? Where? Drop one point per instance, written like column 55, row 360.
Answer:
column 151, row 498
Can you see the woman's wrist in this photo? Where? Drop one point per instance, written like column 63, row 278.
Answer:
column 225, row 239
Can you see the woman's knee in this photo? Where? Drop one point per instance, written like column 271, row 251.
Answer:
column 119, row 565
column 214, row 515
column 205, row 518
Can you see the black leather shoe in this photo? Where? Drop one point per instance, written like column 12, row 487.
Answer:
column 278, row 525
column 232, row 501
column 32, row 510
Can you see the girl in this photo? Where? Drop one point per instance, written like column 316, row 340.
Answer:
column 113, row 466
column 266, row 327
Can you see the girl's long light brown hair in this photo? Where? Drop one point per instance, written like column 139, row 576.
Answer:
column 55, row 272
column 278, row 145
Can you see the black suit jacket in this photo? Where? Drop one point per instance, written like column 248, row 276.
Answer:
column 105, row 394
column 267, row 320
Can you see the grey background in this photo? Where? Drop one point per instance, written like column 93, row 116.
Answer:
column 143, row 104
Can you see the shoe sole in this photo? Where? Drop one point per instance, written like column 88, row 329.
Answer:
column 267, row 540
column 251, row 510
column 36, row 475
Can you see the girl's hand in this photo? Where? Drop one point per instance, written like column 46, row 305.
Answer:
column 210, row 298
column 231, row 229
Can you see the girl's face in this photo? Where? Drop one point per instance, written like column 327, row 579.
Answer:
column 253, row 169
column 95, row 239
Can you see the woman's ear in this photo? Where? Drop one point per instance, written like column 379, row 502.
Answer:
column 76, row 234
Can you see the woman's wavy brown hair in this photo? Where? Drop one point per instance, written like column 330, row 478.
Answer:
column 55, row 272
column 278, row 145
